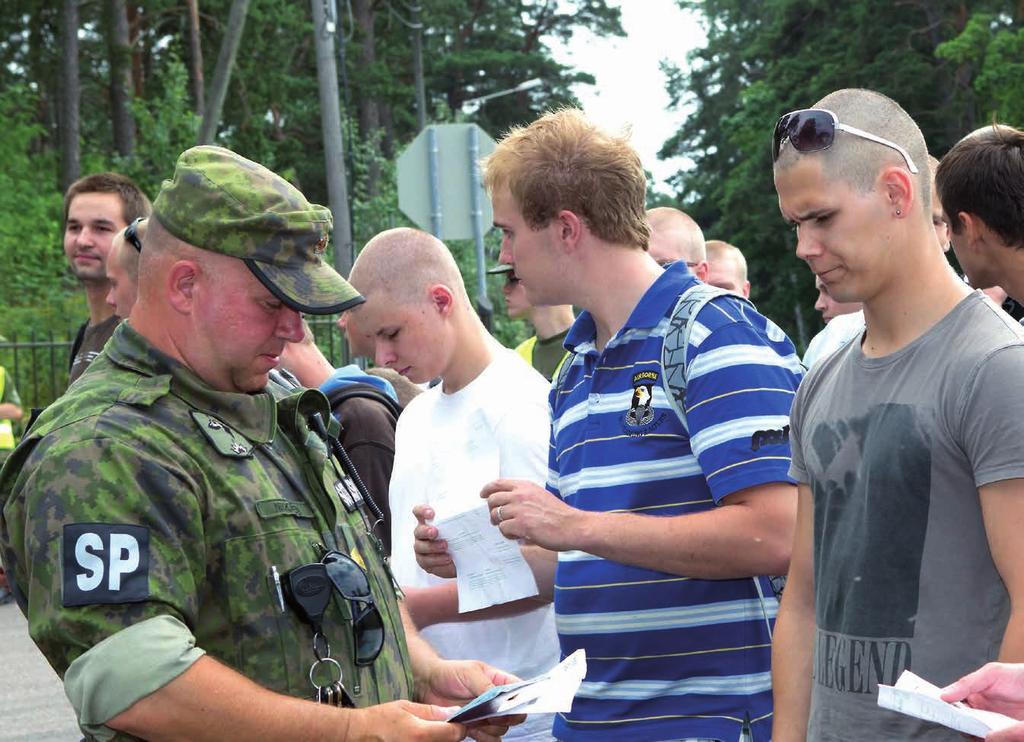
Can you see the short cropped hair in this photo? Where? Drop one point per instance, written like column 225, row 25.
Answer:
column 134, row 203
column 719, row 250
column 857, row 161
column 676, row 233
column 563, row 161
column 983, row 175
column 402, row 263
column 126, row 255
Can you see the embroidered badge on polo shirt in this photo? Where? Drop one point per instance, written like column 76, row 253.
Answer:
column 640, row 417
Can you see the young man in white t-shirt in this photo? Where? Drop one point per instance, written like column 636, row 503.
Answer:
column 487, row 419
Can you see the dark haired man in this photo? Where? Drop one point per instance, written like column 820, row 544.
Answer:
column 96, row 208
column 981, row 184
column 905, row 444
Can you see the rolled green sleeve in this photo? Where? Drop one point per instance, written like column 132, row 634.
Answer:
column 126, row 667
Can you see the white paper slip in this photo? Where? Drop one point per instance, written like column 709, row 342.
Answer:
column 491, row 569
column 550, row 693
column 916, row 697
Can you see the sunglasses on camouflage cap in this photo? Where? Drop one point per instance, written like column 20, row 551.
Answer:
column 814, row 129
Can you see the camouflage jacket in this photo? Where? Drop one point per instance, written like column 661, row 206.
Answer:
column 216, row 488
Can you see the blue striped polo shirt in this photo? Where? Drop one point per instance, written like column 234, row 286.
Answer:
column 668, row 657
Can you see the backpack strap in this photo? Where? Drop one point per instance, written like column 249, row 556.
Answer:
column 675, row 369
column 339, row 394
column 674, row 366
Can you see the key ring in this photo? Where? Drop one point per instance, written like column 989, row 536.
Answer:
column 315, row 665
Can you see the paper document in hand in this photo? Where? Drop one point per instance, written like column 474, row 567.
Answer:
column 491, row 569
column 550, row 693
column 916, row 697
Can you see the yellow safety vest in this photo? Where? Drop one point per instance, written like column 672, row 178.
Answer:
column 525, row 349
column 6, row 429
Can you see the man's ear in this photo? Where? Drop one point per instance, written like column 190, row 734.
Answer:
column 441, row 299
column 900, row 188
column 976, row 232
column 701, row 270
column 570, row 228
column 181, row 285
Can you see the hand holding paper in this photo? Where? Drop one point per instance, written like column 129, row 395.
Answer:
column 917, row 697
column 549, row 693
column 491, row 569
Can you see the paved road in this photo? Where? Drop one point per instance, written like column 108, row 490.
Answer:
column 32, row 701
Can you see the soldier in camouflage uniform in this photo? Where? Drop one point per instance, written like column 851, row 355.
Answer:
column 152, row 513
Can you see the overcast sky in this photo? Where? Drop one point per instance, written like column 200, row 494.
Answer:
column 630, row 87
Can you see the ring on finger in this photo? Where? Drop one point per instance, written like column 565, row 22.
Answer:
column 500, row 516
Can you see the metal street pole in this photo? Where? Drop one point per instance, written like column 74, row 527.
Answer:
column 434, row 173
column 483, row 303
column 417, row 65
column 334, row 147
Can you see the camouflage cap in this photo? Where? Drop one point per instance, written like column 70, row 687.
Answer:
column 221, row 202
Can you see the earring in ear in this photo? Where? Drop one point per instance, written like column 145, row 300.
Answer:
column 898, row 212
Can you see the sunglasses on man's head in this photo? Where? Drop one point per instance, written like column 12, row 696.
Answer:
column 814, row 129
column 131, row 233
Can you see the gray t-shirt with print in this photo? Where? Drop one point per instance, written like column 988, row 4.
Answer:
column 895, row 449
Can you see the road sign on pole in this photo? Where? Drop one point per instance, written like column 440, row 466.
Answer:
column 440, row 196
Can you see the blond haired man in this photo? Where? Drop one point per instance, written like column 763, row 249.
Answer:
column 662, row 528
column 676, row 236
column 727, row 268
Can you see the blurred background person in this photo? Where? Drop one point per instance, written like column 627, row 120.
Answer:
column 543, row 350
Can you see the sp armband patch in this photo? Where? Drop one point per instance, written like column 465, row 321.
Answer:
column 104, row 564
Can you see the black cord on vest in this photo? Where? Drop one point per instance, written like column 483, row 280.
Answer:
column 317, row 421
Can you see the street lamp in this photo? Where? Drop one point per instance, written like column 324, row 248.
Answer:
column 481, row 99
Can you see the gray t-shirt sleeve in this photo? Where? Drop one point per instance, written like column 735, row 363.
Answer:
column 991, row 416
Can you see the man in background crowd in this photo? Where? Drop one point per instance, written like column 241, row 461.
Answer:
column 675, row 236
column 727, row 268
column 981, row 184
column 544, row 350
column 123, row 268
column 367, row 408
column 96, row 208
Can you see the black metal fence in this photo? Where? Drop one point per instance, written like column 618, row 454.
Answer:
column 37, row 363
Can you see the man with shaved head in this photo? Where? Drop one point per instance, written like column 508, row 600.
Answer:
column 123, row 267
column 905, row 443
column 488, row 418
column 675, row 236
column 727, row 268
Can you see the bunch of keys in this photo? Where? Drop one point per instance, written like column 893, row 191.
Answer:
column 308, row 590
